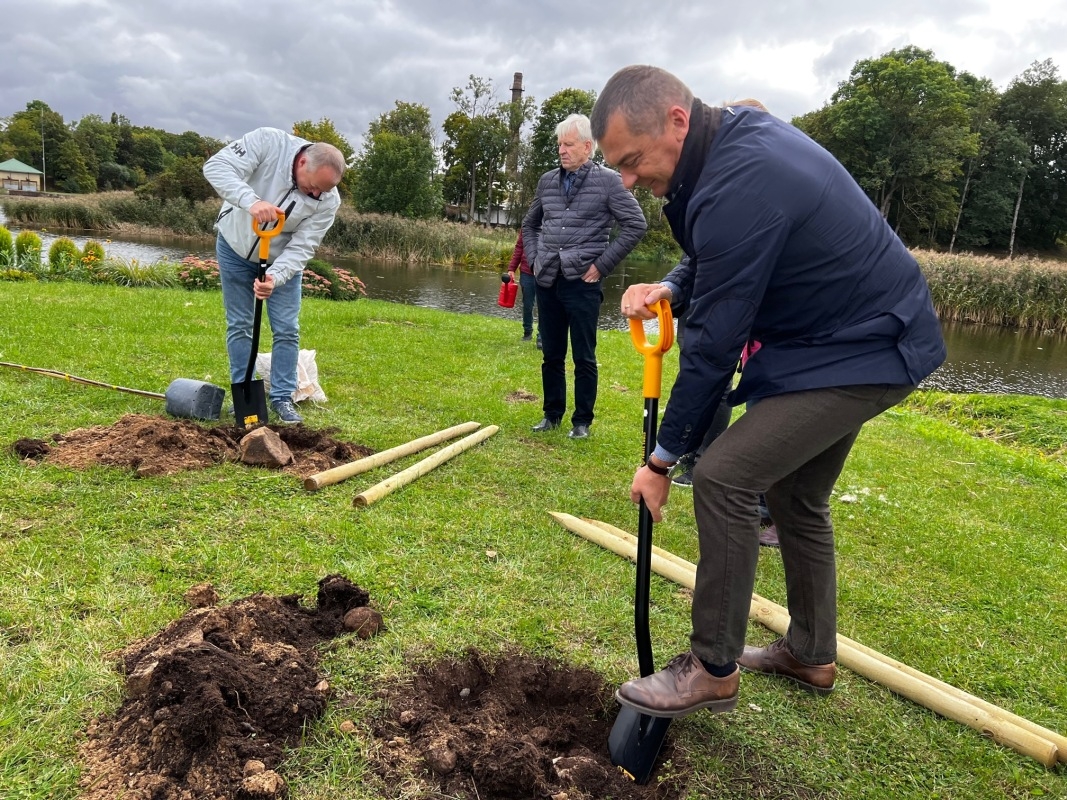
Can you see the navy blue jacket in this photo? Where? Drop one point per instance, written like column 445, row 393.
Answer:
column 785, row 248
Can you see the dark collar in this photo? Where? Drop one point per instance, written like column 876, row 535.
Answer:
column 704, row 122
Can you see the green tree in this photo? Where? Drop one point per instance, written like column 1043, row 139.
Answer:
column 982, row 100
column 900, row 125
column 1035, row 105
column 394, row 173
column 148, row 152
column 325, row 131
column 97, row 141
column 70, row 171
column 26, row 130
column 183, row 179
column 472, row 143
column 542, row 150
column 544, row 147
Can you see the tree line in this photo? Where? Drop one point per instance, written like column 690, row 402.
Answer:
column 949, row 160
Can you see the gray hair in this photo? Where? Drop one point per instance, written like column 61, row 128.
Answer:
column 579, row 123
column 322, row 154
column 642, row 94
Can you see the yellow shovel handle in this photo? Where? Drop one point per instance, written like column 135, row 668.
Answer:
column 266, row 236
column 653, row 353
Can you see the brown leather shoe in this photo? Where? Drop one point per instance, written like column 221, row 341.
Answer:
column 683, row 687
column 775, row 659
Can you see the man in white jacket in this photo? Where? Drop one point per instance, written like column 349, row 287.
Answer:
column 262, row 174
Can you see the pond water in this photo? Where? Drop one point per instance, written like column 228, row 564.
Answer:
column 980, row 358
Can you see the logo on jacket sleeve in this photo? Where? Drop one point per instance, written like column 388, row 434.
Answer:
column 236, row 147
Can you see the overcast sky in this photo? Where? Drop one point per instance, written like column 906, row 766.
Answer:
column 221, row 68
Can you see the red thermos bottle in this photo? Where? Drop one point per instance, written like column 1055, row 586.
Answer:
column 509, row 290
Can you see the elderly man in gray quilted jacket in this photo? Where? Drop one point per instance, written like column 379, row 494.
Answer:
column 566, row 237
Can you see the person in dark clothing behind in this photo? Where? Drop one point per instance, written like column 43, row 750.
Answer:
column 529, row 288
column 565, row 234
column 787, row 250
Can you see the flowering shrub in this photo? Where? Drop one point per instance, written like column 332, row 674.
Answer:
column 334, row 283
column 314, row 285
column 350, row 287
column 197, row 273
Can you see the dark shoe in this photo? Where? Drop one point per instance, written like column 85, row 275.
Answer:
column 545, row 425
column 775, row 659
column 579, row 432
column 768, row 537
column 286, row 412
column 539, row 345
column 684, row 479
column 680, row 689
column 527, row 337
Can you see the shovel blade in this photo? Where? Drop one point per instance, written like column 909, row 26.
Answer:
column 635, row 741
column 249, row 403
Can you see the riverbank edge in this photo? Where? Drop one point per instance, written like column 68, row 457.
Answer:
column 1025, row 293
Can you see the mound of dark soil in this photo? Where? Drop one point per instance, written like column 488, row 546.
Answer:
column 152, row 445
column 518, row 728
column 213, row 700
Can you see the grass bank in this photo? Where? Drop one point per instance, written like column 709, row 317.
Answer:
column 951, row 552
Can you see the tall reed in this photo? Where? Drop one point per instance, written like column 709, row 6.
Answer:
column 1021, row 293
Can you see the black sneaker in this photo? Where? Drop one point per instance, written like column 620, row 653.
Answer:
column 579, row 432
column 539, row 345
column 545, row 425
column 286, row 412
column 527, row 337
column 683, row 479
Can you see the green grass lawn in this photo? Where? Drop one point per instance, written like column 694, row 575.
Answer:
column 951, row 539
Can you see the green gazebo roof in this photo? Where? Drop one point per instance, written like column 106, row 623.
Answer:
column 14, row 165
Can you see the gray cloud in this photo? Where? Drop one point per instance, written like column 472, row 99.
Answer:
column 221, row 68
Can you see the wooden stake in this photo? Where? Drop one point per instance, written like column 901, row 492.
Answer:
column 380, row 490
column 1010, row 730
column 337, row 474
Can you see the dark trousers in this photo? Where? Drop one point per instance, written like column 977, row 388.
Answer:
column 528, row 284
column 569, row 306
column 791, row 447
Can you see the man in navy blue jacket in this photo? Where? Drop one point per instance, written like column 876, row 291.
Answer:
column 784, row 249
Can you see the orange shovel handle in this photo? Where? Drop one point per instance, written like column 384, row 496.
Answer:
column 266, row 236
column 653, row 352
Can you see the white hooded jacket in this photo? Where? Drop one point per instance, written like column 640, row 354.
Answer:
column 259, row 166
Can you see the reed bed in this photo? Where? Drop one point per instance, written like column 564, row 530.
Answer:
column 1027, row 293
column 1024, row 293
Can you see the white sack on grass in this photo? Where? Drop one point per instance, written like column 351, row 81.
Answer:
column 307, row 376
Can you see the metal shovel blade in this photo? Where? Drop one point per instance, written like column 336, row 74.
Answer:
column 635, row 741
column 249, row 403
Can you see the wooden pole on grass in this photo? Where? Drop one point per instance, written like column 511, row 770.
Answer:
column 380, row 490
column 337, row 474
column 1005, row 728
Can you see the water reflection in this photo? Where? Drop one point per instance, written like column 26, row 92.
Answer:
column 993, row 360
column 980, row 358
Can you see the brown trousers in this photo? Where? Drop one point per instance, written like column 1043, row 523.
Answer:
column 791, row 448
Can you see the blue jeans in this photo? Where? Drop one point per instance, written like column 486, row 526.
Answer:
column 283, row 309
column 569, row 306
column 528, row 284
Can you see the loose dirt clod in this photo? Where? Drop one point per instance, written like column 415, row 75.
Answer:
column 364, row 622
column 527, row 728
column 151, row 445
column 214, row 699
